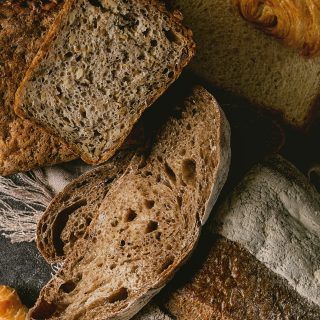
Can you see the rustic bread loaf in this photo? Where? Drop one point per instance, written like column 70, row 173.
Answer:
column 234, row 55
column 23, row 145
column 149, row 221
column 233, row 284
column 102, row 64
column 265, row 261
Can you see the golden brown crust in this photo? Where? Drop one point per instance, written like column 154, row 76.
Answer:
column 11, row 307
column 23, row 146
column 233, row 284
column 295, row 22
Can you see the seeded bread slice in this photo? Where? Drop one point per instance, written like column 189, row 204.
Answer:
column 148, row 223
column 23, row 145
column 71, row 211
column 102, row 64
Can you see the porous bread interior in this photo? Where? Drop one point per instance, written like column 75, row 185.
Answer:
column 107, row 64
column 234, row 55
column 152, row 217
column 71, row 212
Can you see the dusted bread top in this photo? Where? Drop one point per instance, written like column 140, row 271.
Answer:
column 295, row 22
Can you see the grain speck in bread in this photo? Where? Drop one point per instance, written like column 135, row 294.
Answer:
column 234, row 55
column 148, row 223
column 102, row 64
column 23, row 145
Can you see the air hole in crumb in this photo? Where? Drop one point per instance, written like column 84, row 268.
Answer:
column 165, row 70
column 171, row 36
column 170, row 74
column 169, row 247
column 112, row 266
column 114, row 223
column 188, row 126
column 183, row 152
column 170, row 172
column 153, row 43
column 68, row 55
column 188, row 170
column 167, row 263
column 99, row 265
column 88, row 221
column 146, row 32
column 130, row 215
column 151, row 226
column 122, row 243
column 179, row 199
column 78, row 58
column 68, row 286
column 149, row 204
column 119, row 295
column 158, row 236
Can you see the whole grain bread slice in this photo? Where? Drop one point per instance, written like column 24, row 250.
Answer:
column 72, row 211
column 23, row 145
column 102, row 64
column 148, row 223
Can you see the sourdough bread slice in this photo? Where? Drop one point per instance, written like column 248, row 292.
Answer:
column 148, row 223
column 264, row 263
column 72, row 210
column 23, row 145
column 102, row 64
column 234, row 55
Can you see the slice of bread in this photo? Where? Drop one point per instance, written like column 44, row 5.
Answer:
column 70, row 213
column 148, row 223
column 234, row 55
column 23, row 145
column 102, row 64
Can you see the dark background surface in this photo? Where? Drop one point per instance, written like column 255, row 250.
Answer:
column 255, row 134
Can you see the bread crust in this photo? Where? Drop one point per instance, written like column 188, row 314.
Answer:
column 233, row 284
column 23, row 145
column 176, row 18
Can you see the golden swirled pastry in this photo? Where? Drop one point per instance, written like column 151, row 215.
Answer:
column 11, row 307
column 295, row 22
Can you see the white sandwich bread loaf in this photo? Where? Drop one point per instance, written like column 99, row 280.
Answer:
column 235, row 55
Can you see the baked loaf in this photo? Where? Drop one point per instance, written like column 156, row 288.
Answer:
column 264, row 263
column 101, row 65
column 236, row 56
column 295, row 22
column 153, row 214
column 23, row 145
column 72, row 211
column 233, row 284
column 11, row 307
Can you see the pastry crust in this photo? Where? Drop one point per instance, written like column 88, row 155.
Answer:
column 11, row 307
column 295, row 22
